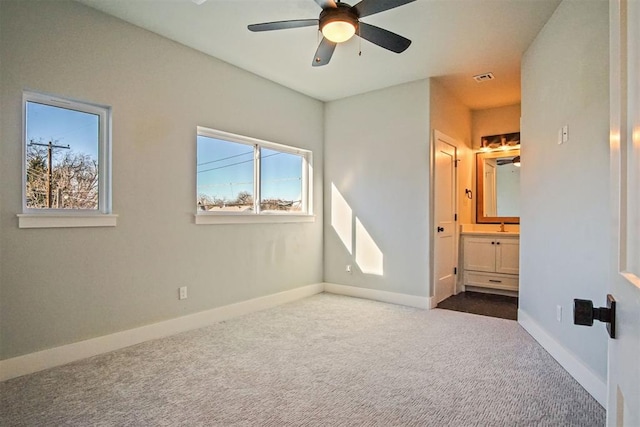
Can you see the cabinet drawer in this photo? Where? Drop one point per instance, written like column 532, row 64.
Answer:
column 488, row 280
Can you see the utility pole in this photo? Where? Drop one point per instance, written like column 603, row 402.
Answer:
column 50, row 146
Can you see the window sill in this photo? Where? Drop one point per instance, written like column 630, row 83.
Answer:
column 202, row 219
column 66, row 221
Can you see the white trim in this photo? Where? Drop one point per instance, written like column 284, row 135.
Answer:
column 104, row 150
column 591, row 382
column 203, row 219
column 64, row 221
column 258, row 144
column 383, row 296
column 33, row 362
column 247, row 140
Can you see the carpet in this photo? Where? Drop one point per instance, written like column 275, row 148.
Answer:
column 326, row 360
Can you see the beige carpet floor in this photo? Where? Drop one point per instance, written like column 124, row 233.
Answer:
column 326, row 360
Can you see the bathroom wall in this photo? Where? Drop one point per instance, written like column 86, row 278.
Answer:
column 494, row 121
column 491, row 121
column 451, row 117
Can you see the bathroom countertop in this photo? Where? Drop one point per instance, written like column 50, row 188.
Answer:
column 492, row 233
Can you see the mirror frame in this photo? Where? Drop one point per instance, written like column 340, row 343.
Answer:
column 480, row 217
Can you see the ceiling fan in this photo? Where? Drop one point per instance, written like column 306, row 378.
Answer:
column 509, row 160
column 339, row 21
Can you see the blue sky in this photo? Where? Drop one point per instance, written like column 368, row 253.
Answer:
column 226, row 168
column 77, row 129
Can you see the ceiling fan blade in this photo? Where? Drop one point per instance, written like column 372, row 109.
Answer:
column 324, row 53
column 383, row 38
column 369, row 7
column 326, row 4
column 282, row 25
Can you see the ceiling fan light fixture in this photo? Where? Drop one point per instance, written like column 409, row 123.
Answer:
column 338, row 24
column 338, row 31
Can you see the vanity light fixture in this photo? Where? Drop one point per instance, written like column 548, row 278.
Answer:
column 505, row 142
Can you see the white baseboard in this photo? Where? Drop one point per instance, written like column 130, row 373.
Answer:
column 591, row 382
column 384, row 296
column 33, row 362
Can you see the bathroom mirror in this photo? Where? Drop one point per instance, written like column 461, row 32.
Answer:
column 498, row 187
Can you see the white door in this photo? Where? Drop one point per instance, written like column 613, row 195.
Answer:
column 623, row 383
column 445, row 248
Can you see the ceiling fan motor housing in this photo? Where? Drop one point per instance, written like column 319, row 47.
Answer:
column 343, row 13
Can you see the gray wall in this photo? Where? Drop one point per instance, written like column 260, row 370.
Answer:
column 564, row 193
column 451, row 117
column 63, row 285
column 377, row 158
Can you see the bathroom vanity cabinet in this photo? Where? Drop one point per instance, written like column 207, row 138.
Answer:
column 491, row 260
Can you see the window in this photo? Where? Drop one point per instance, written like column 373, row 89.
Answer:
column 245, row 177
column 66, row 161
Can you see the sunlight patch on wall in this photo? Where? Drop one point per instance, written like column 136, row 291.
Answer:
column 341, row 218
column 368, row 255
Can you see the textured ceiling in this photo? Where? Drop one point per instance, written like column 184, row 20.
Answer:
column 452, row 41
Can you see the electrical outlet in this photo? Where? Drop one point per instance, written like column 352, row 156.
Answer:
column 182, row 292
column 559, row 313
column 348, row 269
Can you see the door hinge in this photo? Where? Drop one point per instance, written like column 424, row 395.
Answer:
column 455, row 217
column 455, row 270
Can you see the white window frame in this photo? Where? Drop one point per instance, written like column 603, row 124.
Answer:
column 52, row 217
column 257, row 216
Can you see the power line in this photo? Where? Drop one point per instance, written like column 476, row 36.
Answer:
column 226, row 158
column 235, row 164
column 224, row 184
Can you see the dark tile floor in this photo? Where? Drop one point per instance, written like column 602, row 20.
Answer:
column 492, row 305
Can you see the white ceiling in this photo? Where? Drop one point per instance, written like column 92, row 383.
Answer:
column 452, row 41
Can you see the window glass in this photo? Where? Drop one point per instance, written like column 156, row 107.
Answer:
column 62, row 160
column 242, row 175
column 281, row 181
column 225, row 176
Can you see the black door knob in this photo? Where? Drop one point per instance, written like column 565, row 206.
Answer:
column 584, row 314
column 440, row 229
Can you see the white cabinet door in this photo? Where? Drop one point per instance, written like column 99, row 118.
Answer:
column 508, row 256
column 479, row 254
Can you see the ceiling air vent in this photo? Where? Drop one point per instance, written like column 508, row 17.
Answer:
column 483, row 77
